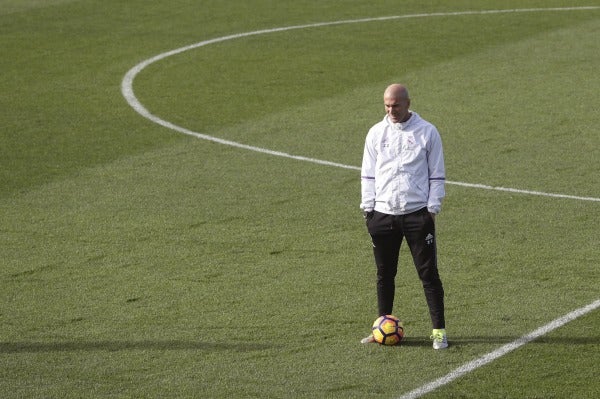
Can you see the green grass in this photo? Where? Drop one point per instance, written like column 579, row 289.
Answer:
column 138, row 262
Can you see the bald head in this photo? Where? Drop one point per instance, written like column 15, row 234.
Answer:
column 397, row 103
column 396, row 91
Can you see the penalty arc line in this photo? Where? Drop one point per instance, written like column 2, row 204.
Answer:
column 129, row 95
column 503, row 350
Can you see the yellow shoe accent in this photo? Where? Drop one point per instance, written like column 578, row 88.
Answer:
column 440, row 340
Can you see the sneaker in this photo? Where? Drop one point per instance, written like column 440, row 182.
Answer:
column 440, row 341
column 368, row 340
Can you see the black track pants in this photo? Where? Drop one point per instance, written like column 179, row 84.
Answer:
column 387, row 233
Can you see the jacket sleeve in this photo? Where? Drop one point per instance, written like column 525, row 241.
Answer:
column 367, row 175
column 437, row 174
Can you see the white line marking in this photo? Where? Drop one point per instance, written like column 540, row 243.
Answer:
column 127, row 90
column 519, row 191
column 503, row 350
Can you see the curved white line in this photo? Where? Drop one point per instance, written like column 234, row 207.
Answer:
column 127, row 89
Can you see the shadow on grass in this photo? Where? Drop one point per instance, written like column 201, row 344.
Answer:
column 114, row 346
column 465, row 341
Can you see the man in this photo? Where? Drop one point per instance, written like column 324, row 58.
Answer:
column 402, row 186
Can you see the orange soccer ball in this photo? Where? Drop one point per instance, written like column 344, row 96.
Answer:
column 388, row 330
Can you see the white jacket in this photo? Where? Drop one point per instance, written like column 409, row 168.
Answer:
column 403, row 167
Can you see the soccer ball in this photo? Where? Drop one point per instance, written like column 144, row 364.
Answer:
column 388, row 330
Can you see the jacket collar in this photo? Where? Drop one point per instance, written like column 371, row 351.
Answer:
column 403, row 125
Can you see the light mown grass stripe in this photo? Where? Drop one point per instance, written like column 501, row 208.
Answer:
column 503, row 350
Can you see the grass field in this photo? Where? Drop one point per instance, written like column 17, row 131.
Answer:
column 139, row 262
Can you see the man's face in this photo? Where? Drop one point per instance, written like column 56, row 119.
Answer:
column 396, row 108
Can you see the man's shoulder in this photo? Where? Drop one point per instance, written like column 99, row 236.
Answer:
column 419, row 120
column 382, row 123
column 424, row 125
column 378, row 128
